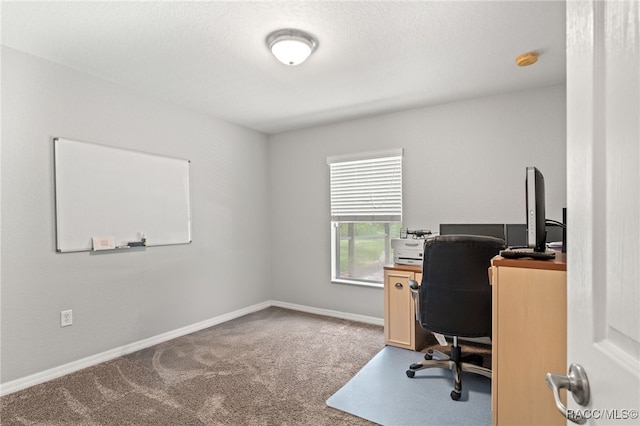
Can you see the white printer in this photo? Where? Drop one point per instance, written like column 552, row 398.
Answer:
column 407, row 251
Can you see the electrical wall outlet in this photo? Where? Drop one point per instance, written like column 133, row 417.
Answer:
column 66, row 318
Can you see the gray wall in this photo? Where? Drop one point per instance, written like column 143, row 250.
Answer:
column 464, row 163
column 120, row 298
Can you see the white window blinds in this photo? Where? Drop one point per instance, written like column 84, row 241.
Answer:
column 366, row 187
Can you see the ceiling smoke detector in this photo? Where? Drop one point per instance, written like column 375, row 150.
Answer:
column 527, row 59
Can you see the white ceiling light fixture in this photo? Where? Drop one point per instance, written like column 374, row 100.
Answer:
column 291, row 47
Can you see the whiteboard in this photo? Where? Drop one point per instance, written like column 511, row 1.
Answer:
column 103, row 191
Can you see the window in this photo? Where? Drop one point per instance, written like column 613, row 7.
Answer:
column 366, row 210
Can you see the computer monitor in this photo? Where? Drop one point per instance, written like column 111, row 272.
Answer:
column 535, row 204
column 516, row 234
column 554, row 233
column 487, row 229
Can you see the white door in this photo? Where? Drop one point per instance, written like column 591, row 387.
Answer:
column 603, row 206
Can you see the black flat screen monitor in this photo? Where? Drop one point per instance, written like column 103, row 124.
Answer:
column 536, row 219
column 487, row 229
column 516, row 234
column 554, row 233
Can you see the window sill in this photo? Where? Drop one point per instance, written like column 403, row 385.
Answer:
column 358, row 283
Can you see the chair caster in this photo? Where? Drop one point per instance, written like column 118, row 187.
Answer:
column 455, row 395
column 411, row 374
column 429, row 355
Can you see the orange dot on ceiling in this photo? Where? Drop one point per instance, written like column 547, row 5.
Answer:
column 527, row 59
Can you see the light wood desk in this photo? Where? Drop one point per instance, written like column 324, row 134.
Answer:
column 529, row 339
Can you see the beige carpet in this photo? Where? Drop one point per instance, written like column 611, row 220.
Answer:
column 273, row 367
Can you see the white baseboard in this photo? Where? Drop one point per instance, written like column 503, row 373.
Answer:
column 71, row 367
column 329, row 313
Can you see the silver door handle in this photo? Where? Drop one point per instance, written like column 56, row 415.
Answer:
column 575, row 382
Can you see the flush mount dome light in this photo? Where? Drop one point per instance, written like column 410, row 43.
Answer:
column 291, row 47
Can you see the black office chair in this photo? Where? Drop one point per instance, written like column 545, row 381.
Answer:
column 454, row 299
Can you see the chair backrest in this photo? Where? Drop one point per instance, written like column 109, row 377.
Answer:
column 455, row 293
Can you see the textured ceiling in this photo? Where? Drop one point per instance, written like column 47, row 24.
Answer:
column 373, row 56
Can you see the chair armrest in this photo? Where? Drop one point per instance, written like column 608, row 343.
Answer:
column 414, row 286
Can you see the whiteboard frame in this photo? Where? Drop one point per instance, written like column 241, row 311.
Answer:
column 103, row 190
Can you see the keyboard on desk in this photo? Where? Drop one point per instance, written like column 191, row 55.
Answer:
column 527, row 253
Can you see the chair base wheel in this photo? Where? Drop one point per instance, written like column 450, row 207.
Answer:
column 455, row 395
column 411, row 374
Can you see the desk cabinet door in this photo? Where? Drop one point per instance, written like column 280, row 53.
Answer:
column 399, row 313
